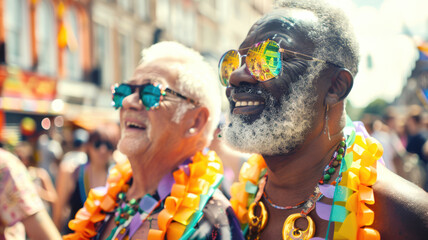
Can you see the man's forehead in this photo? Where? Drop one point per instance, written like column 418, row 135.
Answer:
column 293, row 15
column 283, row 22
column 162, row 70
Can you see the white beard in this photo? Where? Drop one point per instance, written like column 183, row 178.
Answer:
column 277, row 131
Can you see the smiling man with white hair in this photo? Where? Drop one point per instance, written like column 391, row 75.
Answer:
column 168, row 189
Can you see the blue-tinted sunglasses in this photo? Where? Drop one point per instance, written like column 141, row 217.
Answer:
column 150, row 94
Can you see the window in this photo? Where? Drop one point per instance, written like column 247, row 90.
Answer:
column 162, row 13
column 102, row 54
column 176, row 21
column 126, row 5
column 190, row 26
column 125, row 58
column 45, row 39
column 72, row 59
column 18, row 47
column 143, row 9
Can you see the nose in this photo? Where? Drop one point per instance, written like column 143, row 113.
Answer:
column 241, row 76
column 132, row 101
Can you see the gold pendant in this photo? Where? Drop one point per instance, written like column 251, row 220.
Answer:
column 290, row 232
column 256, row 223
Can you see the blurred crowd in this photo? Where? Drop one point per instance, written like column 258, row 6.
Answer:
column 63, row 169
column 403, row 135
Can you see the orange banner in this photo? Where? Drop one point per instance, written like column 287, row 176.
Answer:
column 28, row 85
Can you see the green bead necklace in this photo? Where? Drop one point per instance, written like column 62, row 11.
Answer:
column 124, row 211
column 330, row 169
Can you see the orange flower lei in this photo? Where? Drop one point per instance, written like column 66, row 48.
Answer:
column 349, row 211
column 182, row 209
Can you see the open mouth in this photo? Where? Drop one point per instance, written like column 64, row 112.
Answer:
column 133, row 125
column 247, row 107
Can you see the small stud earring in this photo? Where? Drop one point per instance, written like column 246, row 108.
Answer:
column 192, row 130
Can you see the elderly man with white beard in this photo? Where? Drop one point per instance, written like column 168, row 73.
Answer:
column 317, row 174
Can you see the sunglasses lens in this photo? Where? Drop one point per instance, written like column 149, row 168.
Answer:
column 264, row 60
column 228, row 63
column 151, row 96
column 108, row 144
column 119, row 93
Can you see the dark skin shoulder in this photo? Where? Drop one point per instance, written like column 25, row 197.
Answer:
column 401, row 208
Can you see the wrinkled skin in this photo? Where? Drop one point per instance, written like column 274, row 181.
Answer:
column 401, row 208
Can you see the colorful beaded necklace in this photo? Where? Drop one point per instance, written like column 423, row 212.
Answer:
column 328, row 171
column 191, row 187
column 350, row 192
column 289, row 231
column 130, row 215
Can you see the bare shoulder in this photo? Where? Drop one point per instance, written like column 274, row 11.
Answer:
column 401, row 207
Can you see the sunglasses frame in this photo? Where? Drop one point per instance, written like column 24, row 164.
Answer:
column 163, row 91
column 280, row 50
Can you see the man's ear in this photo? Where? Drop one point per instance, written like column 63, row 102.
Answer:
column 196, row 120
column 341, row 84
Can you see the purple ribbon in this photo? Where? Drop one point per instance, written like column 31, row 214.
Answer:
column 165, row 185
column 323, row 210
column 327, row 190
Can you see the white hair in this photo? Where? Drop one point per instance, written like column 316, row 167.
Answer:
column 196, row 80
column 333, row 36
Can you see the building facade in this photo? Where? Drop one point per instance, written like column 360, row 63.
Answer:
column 61, row 57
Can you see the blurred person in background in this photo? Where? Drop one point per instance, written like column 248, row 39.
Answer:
column 169, row 187
column 77, row 177
column 40, row 177
column 50, row 152
column 417, row 139
column 22, row 211
column 385, row 132
column 77, row 155
column 417, row 134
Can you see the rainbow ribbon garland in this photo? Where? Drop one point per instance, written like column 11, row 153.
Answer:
column 349, row 213
column 192, row 188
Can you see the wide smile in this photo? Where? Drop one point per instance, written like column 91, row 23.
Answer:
column 247, row 104
column 134, row 125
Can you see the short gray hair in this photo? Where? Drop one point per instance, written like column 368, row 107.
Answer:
column 197, row 80
column 333, row 37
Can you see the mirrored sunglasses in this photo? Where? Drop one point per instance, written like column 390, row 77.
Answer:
column 99, row 143
column 263, row 61
column 150, row 94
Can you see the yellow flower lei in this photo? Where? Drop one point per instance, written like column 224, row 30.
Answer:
column 349, row 211
column 182, row 209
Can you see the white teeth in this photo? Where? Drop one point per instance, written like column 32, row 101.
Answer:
column 131, row 124
column 249, row 103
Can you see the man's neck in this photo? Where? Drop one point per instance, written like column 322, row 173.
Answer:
column 296, row 175
column 147, row 173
